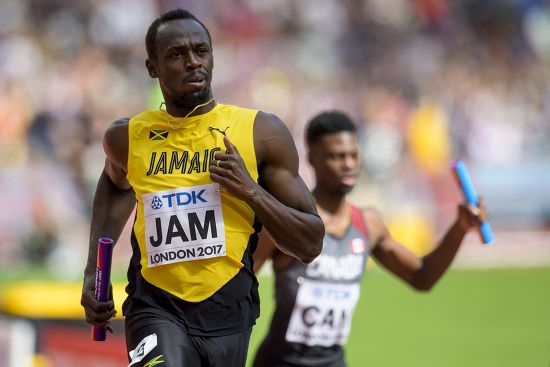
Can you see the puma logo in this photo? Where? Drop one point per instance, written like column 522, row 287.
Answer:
column 218, row 130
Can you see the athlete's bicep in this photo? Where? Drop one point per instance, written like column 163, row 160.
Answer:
column 115, row 145
column 287, row 188
column 388, row 252
column 279, row 164
column 117, row 175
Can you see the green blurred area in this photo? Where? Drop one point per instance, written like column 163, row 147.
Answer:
column 497, row 317
column 492, row 317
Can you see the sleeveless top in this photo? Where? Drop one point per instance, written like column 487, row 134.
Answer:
column 192, row 241
column 315, row 302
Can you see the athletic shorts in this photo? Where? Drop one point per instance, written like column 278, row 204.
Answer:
column 152, row 339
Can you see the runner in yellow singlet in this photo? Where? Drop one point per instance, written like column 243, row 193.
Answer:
column 206, row 177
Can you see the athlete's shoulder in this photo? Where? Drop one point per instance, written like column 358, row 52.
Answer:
column 270, row 125
column 266, row 125
column 120, row 121
column 370, row 213
column 273, row 140
column 119, row 124
column 115, row 141
column 116, row 128
column 270, row 118
column 374, row 222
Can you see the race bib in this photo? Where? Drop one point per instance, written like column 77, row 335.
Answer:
column 322, row 313
column 183, row 224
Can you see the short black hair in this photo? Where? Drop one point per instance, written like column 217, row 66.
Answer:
column 328, row 122
column 151, row 37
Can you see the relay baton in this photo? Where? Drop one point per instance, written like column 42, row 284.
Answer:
column 463, row 180
column 102, row 280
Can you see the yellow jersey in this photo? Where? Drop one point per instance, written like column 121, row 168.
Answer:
column 191, row 234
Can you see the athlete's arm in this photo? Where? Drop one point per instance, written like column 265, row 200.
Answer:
column 267, row 249
column 422, row 272
column 281, row 200
column 264, row 251
column 113, row 202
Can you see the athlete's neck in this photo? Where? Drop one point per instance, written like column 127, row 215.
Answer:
column 176, row 111
column 335, row 214
column 329, row 202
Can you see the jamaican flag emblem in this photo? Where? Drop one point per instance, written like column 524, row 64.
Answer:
column 158, row 135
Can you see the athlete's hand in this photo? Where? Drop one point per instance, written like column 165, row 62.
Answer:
column 470, row 216
column 228, row 170
column 97, row 313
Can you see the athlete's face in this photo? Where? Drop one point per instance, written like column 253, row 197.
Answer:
column 335, row 160
column 183, row 63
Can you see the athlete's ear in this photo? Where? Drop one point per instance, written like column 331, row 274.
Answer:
column 151, row 68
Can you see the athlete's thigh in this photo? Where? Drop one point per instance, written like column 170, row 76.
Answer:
column 262, row 357
column 223, row 351
column 152, row 339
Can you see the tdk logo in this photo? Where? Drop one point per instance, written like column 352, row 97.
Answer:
column 179, row 199
column 156, row 203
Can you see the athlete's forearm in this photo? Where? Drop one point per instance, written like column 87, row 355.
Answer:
column 438, row 260
column 296, row 233
column 111, row 209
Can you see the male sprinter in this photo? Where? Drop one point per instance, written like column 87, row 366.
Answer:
column 315, row 302
column 206, row 177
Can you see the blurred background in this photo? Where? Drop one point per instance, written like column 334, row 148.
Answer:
column 426, row 81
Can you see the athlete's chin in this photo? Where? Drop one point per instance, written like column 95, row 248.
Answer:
column 340, row 191
column 346, row 189
column 190, row 100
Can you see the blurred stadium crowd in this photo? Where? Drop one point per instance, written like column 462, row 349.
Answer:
column 428, row 81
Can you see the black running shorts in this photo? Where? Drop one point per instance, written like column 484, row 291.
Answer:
column 152, row 339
